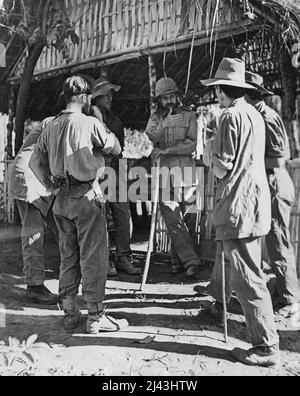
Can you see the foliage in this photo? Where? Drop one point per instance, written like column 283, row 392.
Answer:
column 17, row 352
column 40, row 22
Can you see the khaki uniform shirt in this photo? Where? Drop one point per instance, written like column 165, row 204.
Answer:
column 277, row 153
column 181, row 139
column 243, row 202
column 277, row 142
column 74, row 145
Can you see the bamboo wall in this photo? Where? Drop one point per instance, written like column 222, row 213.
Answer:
column 107, row 28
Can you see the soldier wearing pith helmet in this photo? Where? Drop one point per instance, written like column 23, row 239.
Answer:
column 173, row 131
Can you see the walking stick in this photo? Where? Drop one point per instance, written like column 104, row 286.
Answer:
column 224, row 296
column 153, row 226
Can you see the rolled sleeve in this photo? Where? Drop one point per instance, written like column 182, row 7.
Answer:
column 155, row 130
column 103, row 139
column 112, row 145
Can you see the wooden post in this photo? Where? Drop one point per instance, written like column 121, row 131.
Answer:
column 289, row 102
column 152, row 82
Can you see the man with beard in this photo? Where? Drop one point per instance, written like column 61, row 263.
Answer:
column 173, row 131
column 102, row 98
column 72, row 147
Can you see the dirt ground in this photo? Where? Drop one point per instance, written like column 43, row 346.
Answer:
column 170, row 333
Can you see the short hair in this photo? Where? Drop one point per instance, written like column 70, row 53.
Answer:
column 232, row 92
column 255, row 95
column 77, row 85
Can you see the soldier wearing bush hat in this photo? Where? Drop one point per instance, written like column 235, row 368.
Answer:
column 242, row 213
column 102, row 98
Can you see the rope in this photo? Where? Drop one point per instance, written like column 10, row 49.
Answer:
column 190, row 61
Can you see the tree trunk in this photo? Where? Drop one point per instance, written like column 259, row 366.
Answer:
column 289, row 102
column 31, row 61
column 10, row 125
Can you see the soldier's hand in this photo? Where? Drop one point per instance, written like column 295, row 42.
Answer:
column 173, row 118
column 158, row 152
column 95, row 112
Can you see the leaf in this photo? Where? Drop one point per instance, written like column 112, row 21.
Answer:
column 40, row 345
column 11, row 359
column 31, row 340
column 13, row 342
column 28, row 357
column 147, row 340
column 6, row 360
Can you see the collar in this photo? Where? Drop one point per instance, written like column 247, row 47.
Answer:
column 69, row 111
column 261, row 106
column 238, row 102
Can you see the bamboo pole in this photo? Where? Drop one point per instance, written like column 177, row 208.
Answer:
column 152, row 81
column 153, row 226
column 224, row 295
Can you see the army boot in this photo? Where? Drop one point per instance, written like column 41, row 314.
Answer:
column 124, row 264
column 259, row 356
column 98, row 321
column 41, row 295
column 73, row 315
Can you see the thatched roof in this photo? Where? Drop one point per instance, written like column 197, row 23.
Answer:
column 285, row 14
column 264, row 23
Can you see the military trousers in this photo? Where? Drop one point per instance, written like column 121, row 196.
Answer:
column 123, row 227
column 245, row 275
column 83, row 241
column 280, row 249
column 180, row 217
column 34, row 241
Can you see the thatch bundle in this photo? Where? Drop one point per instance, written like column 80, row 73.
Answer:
column 285, row 15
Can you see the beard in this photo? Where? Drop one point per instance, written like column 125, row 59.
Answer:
column 169, row 106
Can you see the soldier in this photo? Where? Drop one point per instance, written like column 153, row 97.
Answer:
column 72, row 147
column 34, row 202
column 280, row 249
column 173, row 131
column 102, row 98
column 242, row 214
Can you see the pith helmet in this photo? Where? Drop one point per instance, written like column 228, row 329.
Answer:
column 166, row 86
